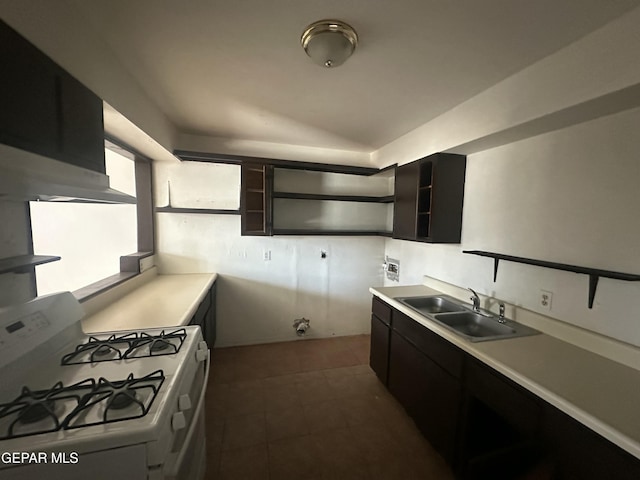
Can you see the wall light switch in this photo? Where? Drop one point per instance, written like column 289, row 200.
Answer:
column 266, row 255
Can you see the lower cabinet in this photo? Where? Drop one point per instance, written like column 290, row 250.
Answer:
column 205, row 316
column 430, row 395
column 379, row 351
column 483, row 424
column 578, row 453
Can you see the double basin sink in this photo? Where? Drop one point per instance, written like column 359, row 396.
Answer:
column 460, row 319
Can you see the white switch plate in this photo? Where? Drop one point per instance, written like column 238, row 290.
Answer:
column 546, row 297
column 266, row 255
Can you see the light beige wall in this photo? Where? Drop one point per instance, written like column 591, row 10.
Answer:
column 569, row 196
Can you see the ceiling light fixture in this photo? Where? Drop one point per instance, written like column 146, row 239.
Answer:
column 329, row 42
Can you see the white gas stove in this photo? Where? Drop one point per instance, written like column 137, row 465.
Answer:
column 118, row 404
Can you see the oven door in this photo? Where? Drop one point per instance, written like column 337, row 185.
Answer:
column 189, row 462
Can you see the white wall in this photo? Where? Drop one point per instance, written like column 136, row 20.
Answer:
column 569, row 196
column 258, row 300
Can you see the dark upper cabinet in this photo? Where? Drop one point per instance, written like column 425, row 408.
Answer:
column 44, row 109
column 405, row 207
column 429, row 196
column 256, row 185
column 82, row 127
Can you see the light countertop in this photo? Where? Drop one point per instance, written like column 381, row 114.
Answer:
column 162, row 301
column 602, row 394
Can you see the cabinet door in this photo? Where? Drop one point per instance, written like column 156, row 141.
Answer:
column 255, row 199
column 579, row 453
column 405, row 208
column 379, row 352
column 29, row 112
column 82, row 128
column 429, row 394
column 500, row 438
column 211, row 318
column 447, row 198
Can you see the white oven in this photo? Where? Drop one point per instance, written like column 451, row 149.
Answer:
column 119, row 404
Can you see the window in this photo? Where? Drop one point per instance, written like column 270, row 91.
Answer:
column 90, row 237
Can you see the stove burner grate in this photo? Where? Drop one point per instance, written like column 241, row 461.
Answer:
column 132, row 345
column 122, row 400
column 32, row 407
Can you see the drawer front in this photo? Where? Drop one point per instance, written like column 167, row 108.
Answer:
column 448, row 356
column 514, row 404
column 381, row 310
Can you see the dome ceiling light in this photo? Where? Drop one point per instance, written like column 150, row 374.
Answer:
column 329, row 42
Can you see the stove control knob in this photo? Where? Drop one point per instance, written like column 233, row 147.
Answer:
column 202, row 355
column 178, row 421
column 184, row 402
column 202, row 345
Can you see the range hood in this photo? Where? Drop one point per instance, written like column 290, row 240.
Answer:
column 26, row 176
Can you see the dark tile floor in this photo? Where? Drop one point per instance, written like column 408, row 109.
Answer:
column 310, row 409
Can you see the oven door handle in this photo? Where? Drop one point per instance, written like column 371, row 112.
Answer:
column 174, row 460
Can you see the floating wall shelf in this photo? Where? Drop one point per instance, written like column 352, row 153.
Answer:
column 210, row 211
column 594, row 273
column 337, row 198
column 346, row 233
column 24, row 263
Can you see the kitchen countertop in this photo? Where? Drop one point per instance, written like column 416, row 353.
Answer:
column 600, row 393
column 163, row 301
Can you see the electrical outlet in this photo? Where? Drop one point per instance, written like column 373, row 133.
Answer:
column 266, row 255
column 545, row 299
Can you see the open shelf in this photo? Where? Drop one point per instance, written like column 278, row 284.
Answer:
column 24, row 263
column 593, row 273
column 346, row 233
column 338, row 198
column 210, row 211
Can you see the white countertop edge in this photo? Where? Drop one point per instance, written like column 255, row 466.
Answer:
column 196, row 303
column 623, row 441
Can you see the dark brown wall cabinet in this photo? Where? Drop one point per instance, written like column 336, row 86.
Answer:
column 256, row 185
column 482, row 423
column 44, row 109
column 429, row 195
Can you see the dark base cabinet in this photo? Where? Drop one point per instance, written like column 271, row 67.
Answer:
column 578, row 453
column 485, row 426
column 380, row 336
column 205, row 316
column 429, row 394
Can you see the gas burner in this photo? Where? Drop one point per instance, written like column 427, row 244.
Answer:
column 116, row 401
column 122, row 399
column 41, row 411
column 132, row 345
column 37, row 411
column 166, row 343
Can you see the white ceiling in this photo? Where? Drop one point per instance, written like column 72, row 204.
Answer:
column 235, row 69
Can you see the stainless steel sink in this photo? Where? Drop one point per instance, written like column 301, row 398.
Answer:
column 432, row 304
column 460, row 319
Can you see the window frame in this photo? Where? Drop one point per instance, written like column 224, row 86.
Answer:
column 130, row 264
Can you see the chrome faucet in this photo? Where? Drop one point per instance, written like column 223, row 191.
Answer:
column 501, row 318
column 476, row 301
